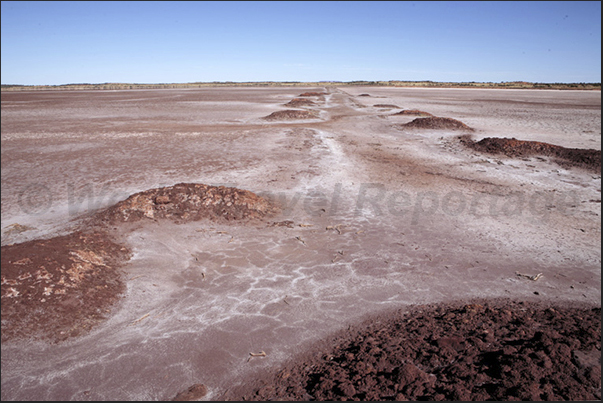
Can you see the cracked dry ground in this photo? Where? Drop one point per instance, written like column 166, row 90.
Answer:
column 60, row 287
column 192, row 291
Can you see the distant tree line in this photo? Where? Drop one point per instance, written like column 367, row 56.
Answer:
column 434, row 84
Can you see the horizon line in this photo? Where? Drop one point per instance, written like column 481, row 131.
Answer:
column 365, row 82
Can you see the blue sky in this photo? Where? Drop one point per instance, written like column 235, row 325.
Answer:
column 177, row 42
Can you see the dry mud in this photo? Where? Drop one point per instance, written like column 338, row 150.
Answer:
column 127, row 275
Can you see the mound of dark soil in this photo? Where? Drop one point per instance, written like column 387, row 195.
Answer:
column 364, row 95
column 58, row 288
column 481, row 351
column 570, row 157
column 386, row 106
column 297, row 102
column 291, row 114
column 437, row 123
column 188, row 202
column 413, row 112
column 312, row 94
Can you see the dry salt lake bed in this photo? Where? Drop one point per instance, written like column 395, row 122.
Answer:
column 326, row 209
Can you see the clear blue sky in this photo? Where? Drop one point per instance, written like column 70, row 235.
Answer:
column 178, row 42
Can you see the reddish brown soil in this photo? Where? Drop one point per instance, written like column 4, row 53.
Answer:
column 386, row 106
column 312, row 94
column 437, row 123
column 188, row 202
column 58, row 288
column 291, row 114
column 414, row 112
column 482, row 351
column 364, row 95
column 195, row 392
column 569, row 157
column 296, row 102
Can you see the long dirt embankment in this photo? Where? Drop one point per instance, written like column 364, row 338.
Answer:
column 589, row 159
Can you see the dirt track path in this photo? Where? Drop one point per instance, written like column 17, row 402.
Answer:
column 381, row 218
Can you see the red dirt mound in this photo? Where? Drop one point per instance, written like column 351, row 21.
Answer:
column 386, row 106
column 364, row 95
column 437, row 123
column 58, row 288
column 195, row 392
column 291, row 114
column 312, row 94
column 413, row 112
column 482, row 351
column 296, row 102
column 570, row 157
column 188, row 202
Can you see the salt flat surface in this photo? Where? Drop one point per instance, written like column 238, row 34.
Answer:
column 382, row 218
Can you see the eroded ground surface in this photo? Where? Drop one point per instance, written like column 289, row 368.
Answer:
column 495, row 350
column 373, row 216
column 60, row 287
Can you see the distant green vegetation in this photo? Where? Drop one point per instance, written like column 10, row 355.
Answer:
column 432, row 84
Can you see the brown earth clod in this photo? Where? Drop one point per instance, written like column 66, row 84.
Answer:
column 291, row 114
column 195, row 392
column 61, row 287
column 188, row 202
column 312, row 94
column 390, row 106
column 413, row 112
column 436, row 123
column 297, row 102
column 567, row 157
